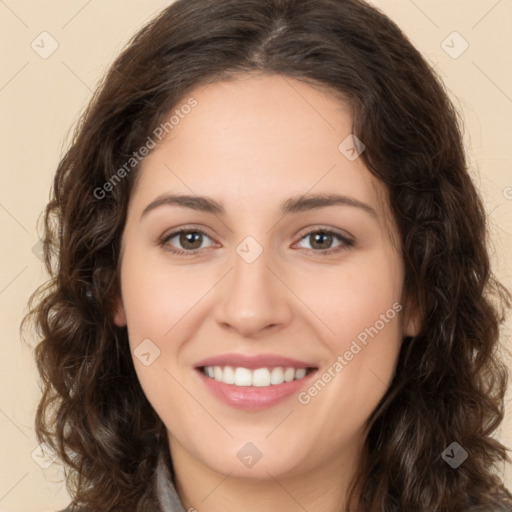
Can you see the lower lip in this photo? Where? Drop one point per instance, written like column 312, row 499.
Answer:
column 252, row 398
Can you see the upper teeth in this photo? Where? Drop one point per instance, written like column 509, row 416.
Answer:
column 260, row 378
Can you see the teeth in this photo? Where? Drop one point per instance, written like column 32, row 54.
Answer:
column 261, row 377
column 300, row 373
column 289, row 374
column 228, row 375
column 243, row 376
column 277, row 376
column 217, row 373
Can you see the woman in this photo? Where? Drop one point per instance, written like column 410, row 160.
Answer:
column 271, row 287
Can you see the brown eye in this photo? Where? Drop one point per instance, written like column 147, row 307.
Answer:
column 189, row 240
column 321, row 241
column 184, row 241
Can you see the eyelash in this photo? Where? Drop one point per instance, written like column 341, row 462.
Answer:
column 346, row 243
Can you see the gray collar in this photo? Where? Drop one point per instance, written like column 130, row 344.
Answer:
column 165, row 492
column 169, row 501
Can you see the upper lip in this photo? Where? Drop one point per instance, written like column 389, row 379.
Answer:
column 253, row 362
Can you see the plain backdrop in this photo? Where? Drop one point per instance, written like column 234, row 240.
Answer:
column 42, row 93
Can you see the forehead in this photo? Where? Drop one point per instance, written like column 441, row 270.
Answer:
column 258, row 138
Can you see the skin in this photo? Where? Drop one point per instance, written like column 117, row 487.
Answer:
column 251, row 143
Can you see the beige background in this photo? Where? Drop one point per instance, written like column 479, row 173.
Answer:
column 40, row 99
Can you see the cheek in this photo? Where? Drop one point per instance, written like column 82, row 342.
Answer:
column 156, row 296
column 363, row 312
column 367, row 302
column 363, row 291
column 352, row 382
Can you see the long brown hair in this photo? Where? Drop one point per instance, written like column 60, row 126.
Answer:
column 449, row 384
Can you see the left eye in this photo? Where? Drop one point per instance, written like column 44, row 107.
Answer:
column 322, row 240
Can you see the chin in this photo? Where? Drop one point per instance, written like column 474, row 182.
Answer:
column 258, row 460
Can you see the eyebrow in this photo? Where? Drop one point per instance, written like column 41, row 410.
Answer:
column 292, row 205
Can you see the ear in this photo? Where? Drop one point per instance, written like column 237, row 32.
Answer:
column 118, row 313
column 411, row 319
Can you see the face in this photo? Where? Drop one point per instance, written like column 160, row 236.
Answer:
column 264, row 311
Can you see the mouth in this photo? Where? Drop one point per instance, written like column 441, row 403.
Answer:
column 254, row 382
column 259, row 377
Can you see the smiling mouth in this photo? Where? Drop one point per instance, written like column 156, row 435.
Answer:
column 259, row 377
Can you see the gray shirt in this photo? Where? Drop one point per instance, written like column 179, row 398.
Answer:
column 167, row 499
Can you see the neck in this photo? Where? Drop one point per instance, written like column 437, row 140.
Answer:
column 321, row 489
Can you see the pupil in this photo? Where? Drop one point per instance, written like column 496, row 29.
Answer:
column 322, row 237
column 188, row 238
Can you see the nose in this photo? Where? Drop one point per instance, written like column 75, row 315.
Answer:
column 253, row 300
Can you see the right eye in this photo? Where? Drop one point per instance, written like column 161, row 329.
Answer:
column 190, row 240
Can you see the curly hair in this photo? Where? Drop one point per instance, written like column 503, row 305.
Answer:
column 450, row 381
